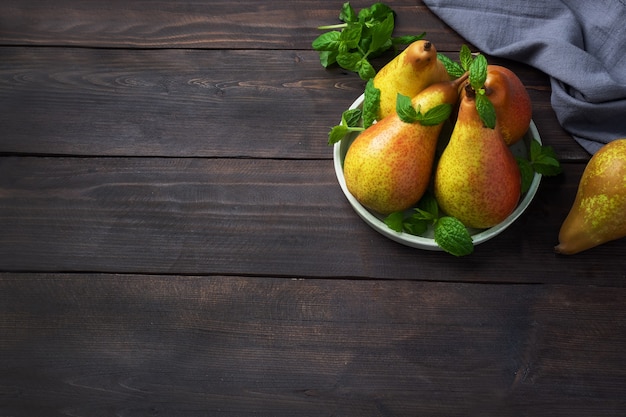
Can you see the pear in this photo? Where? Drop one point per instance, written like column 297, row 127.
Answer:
column 510, row 101
column 414, row 69
column 477, row 179
column 598, row 214
column 389, row 165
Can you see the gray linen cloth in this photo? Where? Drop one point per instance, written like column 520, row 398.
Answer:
column 579, row 44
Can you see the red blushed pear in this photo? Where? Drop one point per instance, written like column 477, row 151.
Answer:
column 414, row 69
column 477, row 179
column 511, row 102
column 388, row 166
column 598, row 214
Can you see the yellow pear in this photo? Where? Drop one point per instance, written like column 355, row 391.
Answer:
column 598, row 214
column 477, row 179
column 414, row 69
column 388, row 166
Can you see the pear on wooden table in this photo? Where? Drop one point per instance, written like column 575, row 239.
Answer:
column 414, row 69
column 477, row 179
column 598, row 214
column 389, row 165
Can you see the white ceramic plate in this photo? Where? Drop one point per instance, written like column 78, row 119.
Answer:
column 427, row 242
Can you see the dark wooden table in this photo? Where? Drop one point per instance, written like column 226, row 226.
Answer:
column 174, row 242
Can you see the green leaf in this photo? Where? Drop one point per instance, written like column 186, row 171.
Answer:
column 421, row 214
column 478, row 72
column 407, row 40
column 366, row 70
column 395, row 221
column 351, row 117
column 328, row 58
column 351, row 35
column 405, row 109
column 415, row 226
column 363, row 36
column 547, row 166
column 337, row 133
column 486, row 111
column 347, row 13
column 371, row 104
column 350, row 61
column 454, row 69
column 436, row 115
column 328, row 41
column 428, row 204
column 535, row 149
column 466, row 58
column 527, row 171
column 544, row 160
column 453, row 237
column 377, row 12
column 381, row 34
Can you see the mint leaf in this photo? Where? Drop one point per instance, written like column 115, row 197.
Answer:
column 337, row 133
column 527, row 172
column 450, row 234
column 428, row 204
column 377, row 12
column 381, row 33
column 547, row 166
column 328, row 58
column 405, row 109
column 543, row 159
column 395, row 221
column 328, row 41
column 436, row 115
column 486, row 111
column 407, row 40
column 466, row 58
column 415, row 226
column 351, row 35
column 350, row 122
column 453, row 237
column 350, row 60
column 454, row 69
column 366, row 70
column 352, row 117
column 347, row 13
column 359, row 38
column 371, row 104
column 478, row 73
column 408, row 114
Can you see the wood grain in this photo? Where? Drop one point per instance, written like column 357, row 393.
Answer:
column 253, row 217
column 174, row 242
column 215, row 24
column 127, row 345
column 192, row 103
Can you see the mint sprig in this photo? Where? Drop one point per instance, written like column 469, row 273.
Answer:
column 454, row 69
column 350, row 122
column 542, row 160
column 410, row 114
column 371, row 103
column 361, row 36
column 476, row 66
column 449, row 233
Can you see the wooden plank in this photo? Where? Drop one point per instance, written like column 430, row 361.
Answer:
column 255, row 218
column 216, row 24
column 192, row 103
column 81, row 344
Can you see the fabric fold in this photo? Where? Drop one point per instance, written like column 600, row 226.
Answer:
column 579, row 44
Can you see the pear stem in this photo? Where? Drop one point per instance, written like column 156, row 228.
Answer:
column 469, row 91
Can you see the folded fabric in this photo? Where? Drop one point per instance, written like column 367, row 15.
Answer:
column 579, row 44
